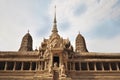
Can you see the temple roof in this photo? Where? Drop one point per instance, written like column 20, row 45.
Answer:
column 26, row 44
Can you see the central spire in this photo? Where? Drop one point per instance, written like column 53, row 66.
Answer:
column 54, row 30
column 55, row 16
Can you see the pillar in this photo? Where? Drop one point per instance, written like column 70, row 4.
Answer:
column 88, row 66
column 14, row 66
column 95, row 66
column 110, row 66
column 117, row 66
column 66, row 66
column 5, row 66
column 22, row 66
column 30, row 66
column 38, row 65
column 102, row 66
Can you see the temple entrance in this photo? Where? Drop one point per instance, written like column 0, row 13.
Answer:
column 56, row 60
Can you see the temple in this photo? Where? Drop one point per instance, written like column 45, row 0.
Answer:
column 56, row 59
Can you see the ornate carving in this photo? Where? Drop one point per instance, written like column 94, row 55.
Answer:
column 55, row 65
column 47, row 53
column 62, row 71
column 50, row 70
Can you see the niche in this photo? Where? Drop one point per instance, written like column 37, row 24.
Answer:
column 83, row 66
column 106, row 66
column 18, row 66
column 98, row 66
column 56, row 60
column 10, row 65
column 91, row 65
column 113, row 66
column 26, row 65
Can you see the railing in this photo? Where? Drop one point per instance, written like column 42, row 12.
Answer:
column 93, row 66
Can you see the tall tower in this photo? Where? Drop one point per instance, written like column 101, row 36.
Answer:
column 54, row 30
column 80, row 44
column 26, row 44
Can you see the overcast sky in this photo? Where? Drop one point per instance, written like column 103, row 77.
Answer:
column 97, row 20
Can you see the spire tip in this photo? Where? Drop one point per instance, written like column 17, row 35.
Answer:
column 55, row 15
column 55, row 23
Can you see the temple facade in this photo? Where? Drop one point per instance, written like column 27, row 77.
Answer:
column 57, row 60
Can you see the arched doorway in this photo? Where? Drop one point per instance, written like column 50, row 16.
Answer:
column 56, row 60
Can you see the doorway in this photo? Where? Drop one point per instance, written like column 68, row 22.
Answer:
column 56, row 60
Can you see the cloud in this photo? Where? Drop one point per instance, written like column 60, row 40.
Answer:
column 81, row 9
column 16, row 17
column 105, row 29
column 97, row 20
column 87, row 16
column 94, row 14
column 104, row 45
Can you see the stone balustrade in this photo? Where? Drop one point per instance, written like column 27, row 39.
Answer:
column 93, row 66
column 75, row 65
column 21, row 65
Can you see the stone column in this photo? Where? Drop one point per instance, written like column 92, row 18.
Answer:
column 30, row 66
column 117, row 67
column 110, row 66
column 22, row 66
column 95, row 66
column 14, row 66
column 5, row 68
column 66, row 66
column 102, row 66
column 38, row 65
column 88, row 66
